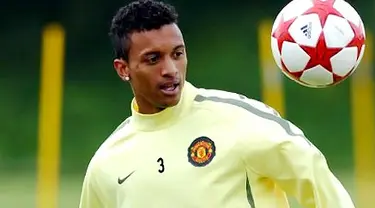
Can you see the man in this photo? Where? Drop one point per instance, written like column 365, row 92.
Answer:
column 188, row 147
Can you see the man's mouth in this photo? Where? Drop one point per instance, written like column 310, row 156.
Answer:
column 171, row 88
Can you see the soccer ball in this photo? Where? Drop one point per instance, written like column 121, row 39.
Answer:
column 318, row 43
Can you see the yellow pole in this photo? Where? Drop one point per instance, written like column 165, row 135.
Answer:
column 50, row 116
column 272, row 85
column 363, row 104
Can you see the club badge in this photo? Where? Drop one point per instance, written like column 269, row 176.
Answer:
column 201, row 151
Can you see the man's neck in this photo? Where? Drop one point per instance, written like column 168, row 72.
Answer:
column 146, row 109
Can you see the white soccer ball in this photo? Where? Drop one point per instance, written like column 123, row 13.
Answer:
column 318, row 43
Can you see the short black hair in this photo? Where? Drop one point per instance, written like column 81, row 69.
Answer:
column 138, row 16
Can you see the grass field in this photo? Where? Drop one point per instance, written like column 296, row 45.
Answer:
column 18, row 190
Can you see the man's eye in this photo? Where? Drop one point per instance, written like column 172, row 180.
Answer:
column 153, row 59
column 178, row 54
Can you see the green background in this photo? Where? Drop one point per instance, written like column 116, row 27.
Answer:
column 221, row 38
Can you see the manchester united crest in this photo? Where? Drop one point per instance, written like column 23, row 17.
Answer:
column 201, row 151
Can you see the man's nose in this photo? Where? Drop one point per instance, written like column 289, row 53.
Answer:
column 169, row 68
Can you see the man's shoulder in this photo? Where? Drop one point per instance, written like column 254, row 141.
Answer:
column 123, row 125
column 234, row 101
column 106, row 152
column 117, row 137
column 251, row 111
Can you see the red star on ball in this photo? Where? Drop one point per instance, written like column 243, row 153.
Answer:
column 359, row 37
column 281, row 32
column 320, row 54
column 323, row 9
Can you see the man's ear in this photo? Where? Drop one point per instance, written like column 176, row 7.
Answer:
column 122, row 69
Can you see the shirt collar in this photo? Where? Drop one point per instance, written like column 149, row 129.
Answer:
column 166, row 117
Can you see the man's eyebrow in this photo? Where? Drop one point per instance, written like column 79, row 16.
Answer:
column 179, row 47
column 150, row 53
column 153, row 52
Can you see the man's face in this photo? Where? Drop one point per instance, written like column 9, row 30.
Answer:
column 156, row 67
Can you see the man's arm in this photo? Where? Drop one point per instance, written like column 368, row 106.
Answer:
column 303, row 173
column 282, row 153
column 90, row 196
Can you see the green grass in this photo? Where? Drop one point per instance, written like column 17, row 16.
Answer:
column 18, row 191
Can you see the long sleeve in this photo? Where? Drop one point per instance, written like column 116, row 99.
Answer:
column 304, row 174
column 283, row 154
column 90, row 195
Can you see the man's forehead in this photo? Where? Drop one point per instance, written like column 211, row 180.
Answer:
column 168, row 35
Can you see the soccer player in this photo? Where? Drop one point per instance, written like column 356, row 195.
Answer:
column 187, row 147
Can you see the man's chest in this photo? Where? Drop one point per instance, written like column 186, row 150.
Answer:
column 178, row 166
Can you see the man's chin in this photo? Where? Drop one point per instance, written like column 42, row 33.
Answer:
column 170, row 102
